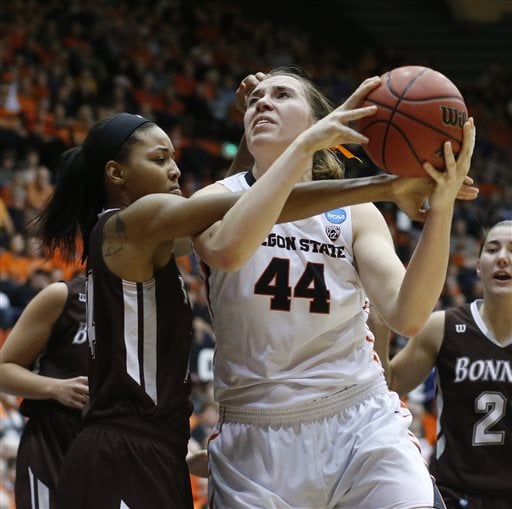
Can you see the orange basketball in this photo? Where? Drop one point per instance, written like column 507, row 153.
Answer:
column 418, row 110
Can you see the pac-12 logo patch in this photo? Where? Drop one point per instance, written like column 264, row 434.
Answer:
column 333, row 232
column 336, row 216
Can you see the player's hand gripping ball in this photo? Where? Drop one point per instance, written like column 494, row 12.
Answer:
column 418, row 110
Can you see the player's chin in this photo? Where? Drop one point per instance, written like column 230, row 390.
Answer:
column 501, row 287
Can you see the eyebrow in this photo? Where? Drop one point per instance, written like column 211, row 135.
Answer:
column 279, row 88
column 166, row 150
column 156, row 149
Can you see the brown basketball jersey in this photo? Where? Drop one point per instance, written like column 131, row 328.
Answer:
column 474, row 396
column 66, row 354
column 140, row 337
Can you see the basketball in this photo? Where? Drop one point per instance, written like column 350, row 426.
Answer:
column 418, row 109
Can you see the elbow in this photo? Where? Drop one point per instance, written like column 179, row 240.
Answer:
column 227, row 255
column 409, row 330
column 230, row 264
column 408, row 323
column 407, row 326
column 226, row 260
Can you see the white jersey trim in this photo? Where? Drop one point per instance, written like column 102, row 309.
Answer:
column 474, row 307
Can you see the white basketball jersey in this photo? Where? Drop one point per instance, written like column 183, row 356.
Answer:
column 290, row 326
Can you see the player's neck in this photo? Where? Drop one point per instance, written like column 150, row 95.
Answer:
column 496, row 315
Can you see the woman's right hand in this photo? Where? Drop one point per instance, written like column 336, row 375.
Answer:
column 334, row 128
column 72, row 392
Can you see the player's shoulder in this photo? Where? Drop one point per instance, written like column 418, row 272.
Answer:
column 364, row 208
column 55, row 292
column 366, row 217
column 430, row 336
column 436, row 321
column 364, row 211
column 50, row 300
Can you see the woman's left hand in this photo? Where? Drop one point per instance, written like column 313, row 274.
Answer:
column 198, row 463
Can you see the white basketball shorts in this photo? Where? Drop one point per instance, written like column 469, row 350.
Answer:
column 351, row 450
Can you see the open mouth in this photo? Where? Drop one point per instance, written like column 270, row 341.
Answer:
column 502, row 276
column 262, row 121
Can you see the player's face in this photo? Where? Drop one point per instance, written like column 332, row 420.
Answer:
column 495, row 263
column 277, row 112
column 151, row 167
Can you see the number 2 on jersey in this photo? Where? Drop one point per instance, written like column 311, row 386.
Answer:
column 494, row 405
column 275, row 281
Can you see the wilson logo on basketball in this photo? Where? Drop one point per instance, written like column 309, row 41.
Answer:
column 452, row 116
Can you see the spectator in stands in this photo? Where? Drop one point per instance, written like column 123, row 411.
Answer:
column 7, row 167
column 15, row 194
column 7, row 228
column 14, row 261
column 39, row 190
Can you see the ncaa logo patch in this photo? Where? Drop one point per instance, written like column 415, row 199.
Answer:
column 333, row 232
column 336, row 216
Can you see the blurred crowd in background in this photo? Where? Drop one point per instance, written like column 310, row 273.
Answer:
column 65, row 65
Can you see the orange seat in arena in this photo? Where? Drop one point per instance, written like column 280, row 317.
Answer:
column 15, row 267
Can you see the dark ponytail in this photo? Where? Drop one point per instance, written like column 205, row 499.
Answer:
column 80, row 194
column 73, row 208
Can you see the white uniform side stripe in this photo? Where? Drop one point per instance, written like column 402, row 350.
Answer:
column 33, row 501
column 39, row 489
column 131, row 330
column 140, row 334
column 149, row 361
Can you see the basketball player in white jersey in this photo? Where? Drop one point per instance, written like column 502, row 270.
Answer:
column 306, row 417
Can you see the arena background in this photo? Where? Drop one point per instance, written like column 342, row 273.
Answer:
column 63, row 65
